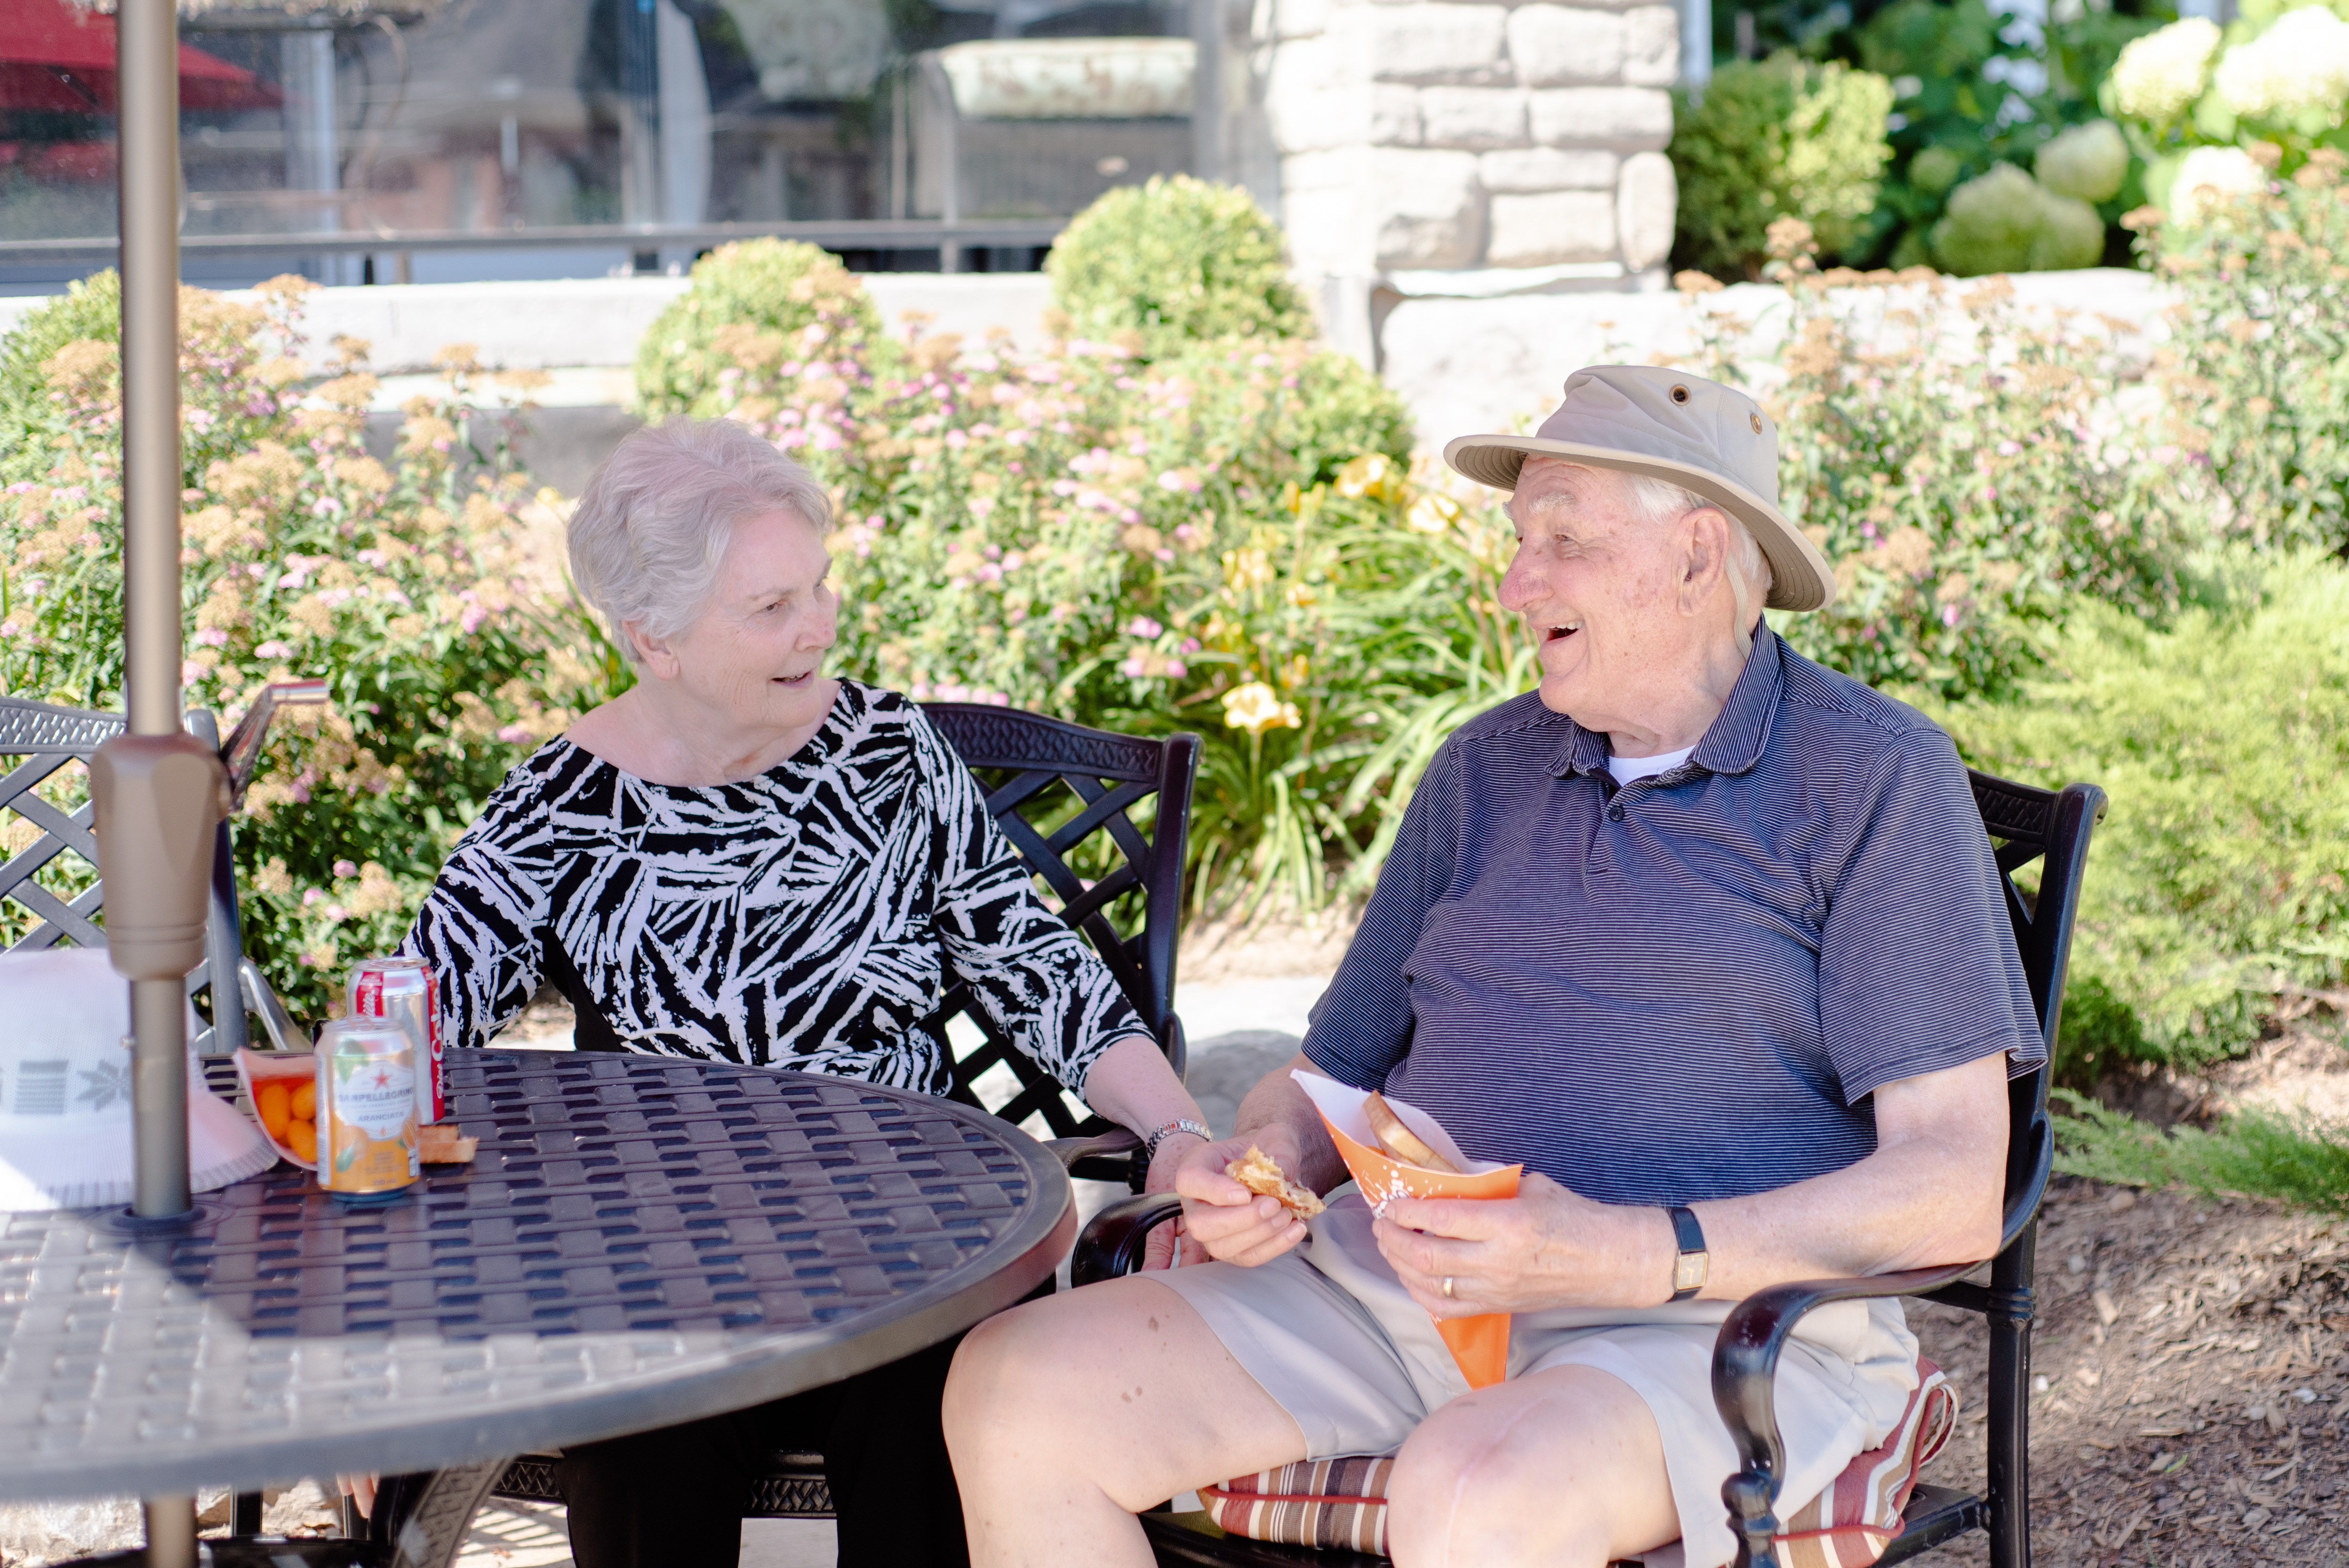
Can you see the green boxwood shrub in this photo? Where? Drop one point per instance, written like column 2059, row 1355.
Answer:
column 2221, row 876
column 1776, row 139
column 1175, row 261
column 780, row 286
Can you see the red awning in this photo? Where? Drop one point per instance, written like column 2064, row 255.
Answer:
column 56, row 56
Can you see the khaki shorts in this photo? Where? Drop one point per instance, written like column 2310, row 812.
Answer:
column 1330, row 1334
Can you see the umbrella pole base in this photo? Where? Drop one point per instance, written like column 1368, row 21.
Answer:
column 159, row 1088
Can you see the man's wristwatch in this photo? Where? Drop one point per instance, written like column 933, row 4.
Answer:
column 1150, row 1144
column 1691, row 1265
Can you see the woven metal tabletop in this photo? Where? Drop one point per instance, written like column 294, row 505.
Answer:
column 639, row 1241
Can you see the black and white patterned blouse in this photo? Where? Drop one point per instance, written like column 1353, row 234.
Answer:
column 805, row 918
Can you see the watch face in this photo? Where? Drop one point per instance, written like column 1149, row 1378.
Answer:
column 1688, row 1270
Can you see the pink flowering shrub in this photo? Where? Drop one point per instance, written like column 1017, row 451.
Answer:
column 1227, row 539
column 407, row 584
column 1971, row 468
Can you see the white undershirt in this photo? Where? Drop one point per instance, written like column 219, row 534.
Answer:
column 1627, row 769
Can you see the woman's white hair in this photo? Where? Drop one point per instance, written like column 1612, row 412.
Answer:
column 648, row 537
column 1660, row 500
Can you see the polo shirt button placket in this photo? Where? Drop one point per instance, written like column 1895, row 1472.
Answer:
column 1615, row 813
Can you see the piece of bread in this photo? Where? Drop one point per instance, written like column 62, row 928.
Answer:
column 442, row 1144
column 1256, row 1171
column 1400, row 1141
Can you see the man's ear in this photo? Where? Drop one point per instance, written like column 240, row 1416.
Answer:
column 1705, row 553
column 654, row 656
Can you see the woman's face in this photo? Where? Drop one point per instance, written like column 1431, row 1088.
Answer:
column 756, row 655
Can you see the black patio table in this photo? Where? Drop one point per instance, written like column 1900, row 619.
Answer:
column 639, row 1241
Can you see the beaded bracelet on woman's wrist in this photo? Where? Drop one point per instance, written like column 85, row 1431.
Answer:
column 1185, row 1124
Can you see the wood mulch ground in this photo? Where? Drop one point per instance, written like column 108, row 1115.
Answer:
column 2191, row 1366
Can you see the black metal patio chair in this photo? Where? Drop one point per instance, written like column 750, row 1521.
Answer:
column 53, row 878
column 2025, row 824
column 1058, row 790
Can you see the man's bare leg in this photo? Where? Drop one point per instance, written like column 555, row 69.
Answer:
column 1563, row 1469
column 1068, row 1416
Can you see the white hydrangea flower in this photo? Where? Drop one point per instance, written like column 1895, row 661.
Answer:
column 2208, row 178
column 2301, row 63
column 2158, row 77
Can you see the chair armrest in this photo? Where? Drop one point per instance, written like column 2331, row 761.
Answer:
column 285, row 1034
column 1107, row 1145
column 1744, row 1387
column 1112, row 1244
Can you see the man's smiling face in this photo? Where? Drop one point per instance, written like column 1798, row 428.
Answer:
column 1594, row 582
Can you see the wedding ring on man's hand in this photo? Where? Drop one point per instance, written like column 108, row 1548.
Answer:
column 1447, row 1289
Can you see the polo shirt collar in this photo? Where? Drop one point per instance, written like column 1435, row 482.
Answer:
column 1732, row 743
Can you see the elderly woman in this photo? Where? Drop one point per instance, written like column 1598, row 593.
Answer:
column 743, row 859
column 1707, row 937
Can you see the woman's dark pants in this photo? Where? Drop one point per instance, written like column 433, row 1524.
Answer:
column 674, row 1498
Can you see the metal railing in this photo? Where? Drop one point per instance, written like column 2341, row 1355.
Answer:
column 846, row 233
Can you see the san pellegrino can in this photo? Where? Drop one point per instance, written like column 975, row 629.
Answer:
column 367, row 1108
column 402, row 990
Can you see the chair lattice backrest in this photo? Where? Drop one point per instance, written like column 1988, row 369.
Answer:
column 51, row 872
column 1066, row 796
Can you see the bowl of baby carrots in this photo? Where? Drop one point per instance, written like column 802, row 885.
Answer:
column 281, row 1087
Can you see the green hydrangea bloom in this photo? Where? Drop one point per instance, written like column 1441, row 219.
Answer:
column 1935, row 169
column 2089, row 161
column 2006, row 221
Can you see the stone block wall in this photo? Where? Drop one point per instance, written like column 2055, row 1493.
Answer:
column 1435, row 136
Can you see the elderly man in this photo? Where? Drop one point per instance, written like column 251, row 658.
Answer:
column 1706, row 935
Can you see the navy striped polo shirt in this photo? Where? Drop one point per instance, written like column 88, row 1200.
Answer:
column 1684, row 988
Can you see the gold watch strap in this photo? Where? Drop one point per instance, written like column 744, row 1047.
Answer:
column 1691, row 1265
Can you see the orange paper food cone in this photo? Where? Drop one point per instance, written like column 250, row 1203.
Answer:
column 1480, row 1345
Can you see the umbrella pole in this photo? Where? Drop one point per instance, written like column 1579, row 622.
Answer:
column 159, row 792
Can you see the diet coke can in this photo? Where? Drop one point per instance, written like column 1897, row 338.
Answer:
column 403, row 991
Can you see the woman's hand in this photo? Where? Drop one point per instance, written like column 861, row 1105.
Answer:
column 1159, row 1251
column 1234, row 1225
column 1546, row 1247
column 360, row 1490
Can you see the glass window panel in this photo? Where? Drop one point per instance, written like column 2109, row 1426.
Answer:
column 509, row 119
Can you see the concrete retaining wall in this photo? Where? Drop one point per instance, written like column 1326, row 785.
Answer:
column 1464, row 364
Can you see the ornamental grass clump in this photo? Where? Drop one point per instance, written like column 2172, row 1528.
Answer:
column 407, row 584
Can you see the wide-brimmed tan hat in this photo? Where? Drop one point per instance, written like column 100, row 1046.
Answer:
column 1671, row 426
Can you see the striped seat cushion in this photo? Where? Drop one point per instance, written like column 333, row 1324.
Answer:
column 1342, row 1502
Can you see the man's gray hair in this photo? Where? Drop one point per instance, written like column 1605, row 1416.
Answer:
column 1660, row 500
column 648, row 537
